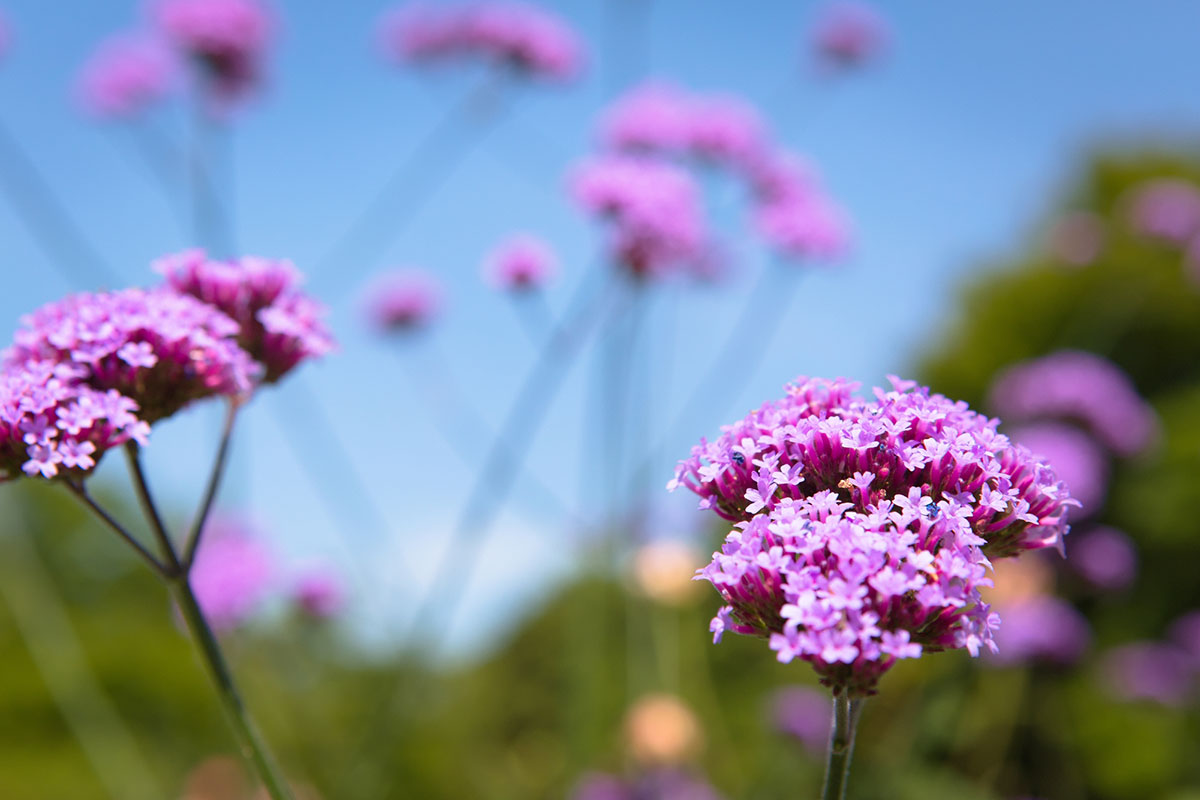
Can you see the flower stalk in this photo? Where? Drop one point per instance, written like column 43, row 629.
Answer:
column 846, row 712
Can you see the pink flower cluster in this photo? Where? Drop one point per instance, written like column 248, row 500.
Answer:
column 1042, row 628
column 849, row 34
column 653, row 208
column 520, row 263
column 794, row 213
column 863, row 528
column 226, row 38
column 279, row 326
column 403, row 300
column 126, row 75
column 92, row 371
column 1167, row 209
column 1081, row 387
column 524, row 37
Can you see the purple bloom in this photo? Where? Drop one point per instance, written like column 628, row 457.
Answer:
column 225, row 38
column 1104, row 557
column 1077, row 460
column 232, row 573
column 1149, row 671
column 653, row 207
column 657, row 784
column 803, row 713
column 851, row 579
column 403, row 300
column 521, row 263
column 280, row 325
column 1042, row 628
column 1079, row 386
column 793, row 212
column 526, row 38
column 849, row 34
column 1167, row 209
column 1185, row 632
column 160, row 349
column 319, row 593
column 126, row 74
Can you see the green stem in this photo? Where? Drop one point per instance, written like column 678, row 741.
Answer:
column 210, row 491
column 253, row 749
column 841, row 745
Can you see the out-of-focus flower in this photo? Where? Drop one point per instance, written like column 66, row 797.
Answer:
column 794, row 213
column 521, row 263
column 1041, row 628
column 1105, row 557
column 158, row 348
column 653, row 207
column 1077, row 238
column 1149, row 671
column 403, row 300
column 864, row 527
column 660, row 730
column 662, row 118
column 656, row 784
column 849, row 34
column 319, row 593
column 1018, row 580
column 802, row 712
column 232, row 573
column 1081, row 386
column 663, row 571
column 524, row 37
column 1167, row 209
column 1185, row 632
column 125, row 75
column 1077, row 460
column 227, row 39
column 280, row 325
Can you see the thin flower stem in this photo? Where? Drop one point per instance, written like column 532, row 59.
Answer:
column 48, row 220
column 133, row 458
column 841, row 745
column 253, row 749
column 210, row 491
column 81, row 493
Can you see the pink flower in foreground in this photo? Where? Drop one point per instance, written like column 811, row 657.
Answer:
column 1079, row 386
column 232, row 573
column 226, row 38
column 1167, row 209
column 403, row 300
column 521, row 263
column 525, row 37
column 319, row 593
column 280, row 325
column 125, row 75
column 863, row 528
column 849, row 34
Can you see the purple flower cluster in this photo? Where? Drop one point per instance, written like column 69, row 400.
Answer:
column 653, row 207
column 803, row 713
column 1104, row 557
column 1080, row 387
column 279, row 326
column 226, row 38
column 126, row 74
column 659, row 784
column 849, row 34
column 232, row 574
column 520, row 263
column 403, row 300
column 1166, row 209
column 1043, row 628
column 1077, row 459
column 794, row 213
column 863, row 528
column 525, row 37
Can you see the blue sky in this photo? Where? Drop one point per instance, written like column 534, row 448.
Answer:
column 945, row 155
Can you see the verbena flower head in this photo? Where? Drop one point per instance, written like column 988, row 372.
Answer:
column 658, row 784
column 158, row 348
column 1077, row 459
column 1167, row 209
column 125, row 75
column 1082, row 387
column 280, row 326
column 521, row 263
column 663, row 118
column 849, row 34
column 403, row 300
column 1041, row 628
column 524, row 37
column 1104, row 557
column 1157, row 671
column 653, row 209
column 232, row 574
column 226, row 38
column 863, row 528
column 319, row 593
column 793, row 212
column 52, row 425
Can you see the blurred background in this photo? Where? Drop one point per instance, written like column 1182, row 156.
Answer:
column 451, row 568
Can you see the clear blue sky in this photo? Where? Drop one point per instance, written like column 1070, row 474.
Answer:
column 945, row 155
